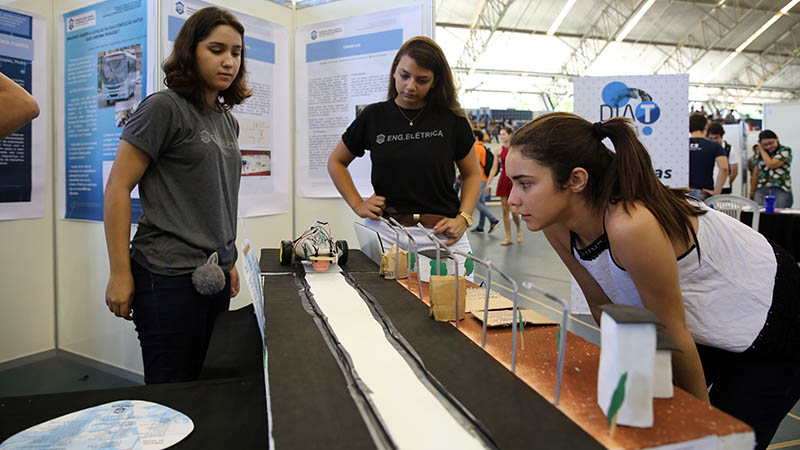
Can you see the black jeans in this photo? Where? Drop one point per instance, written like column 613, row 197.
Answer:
column 759, row 391
column 174, row 323
column 762, row 384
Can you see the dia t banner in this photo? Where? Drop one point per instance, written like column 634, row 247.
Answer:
column 658, row 107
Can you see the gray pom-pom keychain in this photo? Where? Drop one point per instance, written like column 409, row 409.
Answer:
column 209, row 279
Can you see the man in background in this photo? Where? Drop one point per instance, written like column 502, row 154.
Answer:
column 480, row 152
column 715, row 133
column 703, row 154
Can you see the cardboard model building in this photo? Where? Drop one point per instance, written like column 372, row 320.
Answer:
column 627, row 346
column 662, row 379
column 388, row 264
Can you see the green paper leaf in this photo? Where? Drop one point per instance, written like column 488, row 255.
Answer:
column 558, row 339
column 521, row 323
column 469, row 266
column 617, row 398
column 413, row 261
column 442, row 268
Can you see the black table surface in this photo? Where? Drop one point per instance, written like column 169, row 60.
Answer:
column 781, row 228
column 228, row 411
column 312, row 401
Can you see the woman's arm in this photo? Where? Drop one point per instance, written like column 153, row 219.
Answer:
column 722, row 174
column 754, row 181
column 18, row 106
column 340, row 158
column 454, row 228
column 129, row 166
column 558, row 236
column 492, row 171
column 770, row 162
column 641, row 246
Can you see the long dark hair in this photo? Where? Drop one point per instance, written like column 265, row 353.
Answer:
column 563, row 141
column 180, row 68
column 427, row 53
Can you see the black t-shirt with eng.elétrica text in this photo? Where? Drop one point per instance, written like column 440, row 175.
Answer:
column 412, row 165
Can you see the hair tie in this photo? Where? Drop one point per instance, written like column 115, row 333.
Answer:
column 599, row 130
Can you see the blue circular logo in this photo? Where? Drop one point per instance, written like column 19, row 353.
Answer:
column 647, row 112
column 616, row 94
column 647, row 131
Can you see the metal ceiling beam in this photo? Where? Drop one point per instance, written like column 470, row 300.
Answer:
column 732, row 87
column 735, row 4
column 766, row 65
column 489, row 17
column 565, row 35
column 594, row 41
column 714, row 28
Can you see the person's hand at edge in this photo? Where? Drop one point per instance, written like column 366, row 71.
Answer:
column 119, row 295
column 235, row 284
column 371, row 207
column 451, row 228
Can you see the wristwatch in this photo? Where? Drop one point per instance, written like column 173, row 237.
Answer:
column 466, row 217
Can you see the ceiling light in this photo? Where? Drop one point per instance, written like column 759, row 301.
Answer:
column 785, row 9
column 753, row 37
column 564, row 11
column 636, row 18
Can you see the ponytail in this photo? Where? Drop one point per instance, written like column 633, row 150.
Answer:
column 563, row 141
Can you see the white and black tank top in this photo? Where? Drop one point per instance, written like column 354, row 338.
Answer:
column 727, row 291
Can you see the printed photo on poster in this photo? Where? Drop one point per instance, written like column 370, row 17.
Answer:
column 256, row 163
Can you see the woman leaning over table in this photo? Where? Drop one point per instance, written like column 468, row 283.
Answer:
column 724, row 293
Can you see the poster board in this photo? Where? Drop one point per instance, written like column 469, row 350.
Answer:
column 656, row 105
column 23, row 59
column 108, row 68
column 341, row 66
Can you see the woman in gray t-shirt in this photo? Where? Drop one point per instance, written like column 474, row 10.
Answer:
column 180, row 147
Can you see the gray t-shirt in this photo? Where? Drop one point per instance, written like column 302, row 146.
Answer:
column 190, row 190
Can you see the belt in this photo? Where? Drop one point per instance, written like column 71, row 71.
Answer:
column 408, row 220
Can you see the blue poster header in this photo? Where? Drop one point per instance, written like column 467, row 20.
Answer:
column 355, row 45
column 14, row 47
column 16, row 24
column 256, row 49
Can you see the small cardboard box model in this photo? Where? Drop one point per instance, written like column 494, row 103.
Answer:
column 627, row 345
column 662, row 379
column 443, row 297
column 388, row 265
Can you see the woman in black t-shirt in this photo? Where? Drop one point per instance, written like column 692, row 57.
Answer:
column 414, row 138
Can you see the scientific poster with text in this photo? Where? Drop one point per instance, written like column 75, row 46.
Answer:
column 341, row 67
column 108, row 69
column 264, row 117
column 23, row 59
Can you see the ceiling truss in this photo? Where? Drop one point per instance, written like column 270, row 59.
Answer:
column 714, row 27
column 767, row 64
column 489, row 17
column 592, row 43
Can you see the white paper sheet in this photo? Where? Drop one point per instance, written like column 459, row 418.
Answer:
column 413, row 416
